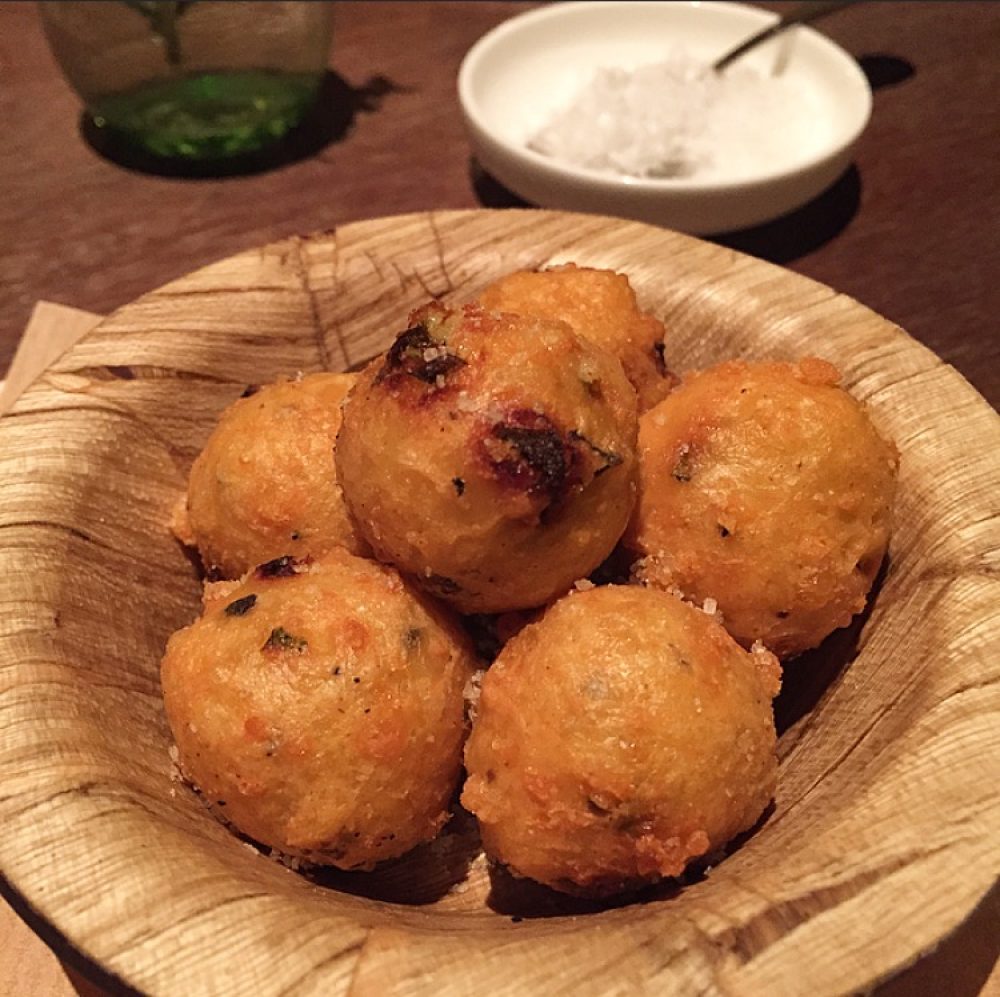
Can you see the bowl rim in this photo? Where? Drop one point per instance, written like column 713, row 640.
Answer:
column 556, row 169
column 591, row 232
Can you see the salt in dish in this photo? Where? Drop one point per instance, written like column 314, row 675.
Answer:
column 679, row 119
column 517, row 80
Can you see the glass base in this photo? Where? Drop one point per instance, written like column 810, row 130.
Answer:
column 210, row 115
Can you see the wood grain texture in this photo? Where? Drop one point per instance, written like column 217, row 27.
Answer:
column 883, row 837
column 911, row 233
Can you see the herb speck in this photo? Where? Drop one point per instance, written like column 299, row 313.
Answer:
column 240, row 607
column 281, row 640
column 280, row 567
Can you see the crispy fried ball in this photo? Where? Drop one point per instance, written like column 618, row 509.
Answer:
column 601, row 306
column 765, row 487
column 265, row 484
column 320, row 706
column 622, row 736
column 491, row 456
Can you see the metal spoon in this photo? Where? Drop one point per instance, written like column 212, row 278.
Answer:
column 810, row 10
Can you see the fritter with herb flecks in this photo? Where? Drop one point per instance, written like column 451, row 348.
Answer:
column 265, row 483
column 601, row 306
column 619, row 738
column 492, row 456
column 319, row 705
column 765, row 487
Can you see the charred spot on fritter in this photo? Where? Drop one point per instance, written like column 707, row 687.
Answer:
column 528, row 452
column 534, row 457
column 249, row 390
column 282, row 567
column 416, row 353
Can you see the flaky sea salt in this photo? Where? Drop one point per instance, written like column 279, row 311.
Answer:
column 678, row 119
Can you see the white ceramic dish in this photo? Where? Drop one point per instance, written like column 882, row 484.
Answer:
column 515, row 77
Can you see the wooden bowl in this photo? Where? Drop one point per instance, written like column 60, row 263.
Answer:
column 883, row 835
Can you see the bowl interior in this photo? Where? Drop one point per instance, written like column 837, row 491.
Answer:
column 522, row 72
column 881, row 838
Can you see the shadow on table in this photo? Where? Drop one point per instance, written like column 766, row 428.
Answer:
column 807, row 228
column 85, row 988
column 883, row 70
column 961, row 964
column 87, row 977
column 804, row 230
column 329, row 120
column 786, row 238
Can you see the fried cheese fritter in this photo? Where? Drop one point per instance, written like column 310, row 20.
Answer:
column 765, row 487
column 619, row 738
column 319, row 705
column 265, row 483
column 599, row 305
column 491, row 456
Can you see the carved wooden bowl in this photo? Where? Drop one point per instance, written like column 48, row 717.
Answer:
column 883, row 835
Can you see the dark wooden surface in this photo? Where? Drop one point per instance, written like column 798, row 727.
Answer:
column 911, row 232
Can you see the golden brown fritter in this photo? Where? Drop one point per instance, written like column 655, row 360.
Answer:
column 320, row 705
column 265, row 483
column 617, row 739
column 765, row 487
column 491, row 456
column 599, row 305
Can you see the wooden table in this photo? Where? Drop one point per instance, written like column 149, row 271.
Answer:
column 911, row 231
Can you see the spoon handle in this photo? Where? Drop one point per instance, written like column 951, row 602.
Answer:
column 810, row 10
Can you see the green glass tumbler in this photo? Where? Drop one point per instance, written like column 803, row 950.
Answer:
column 192, row 79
